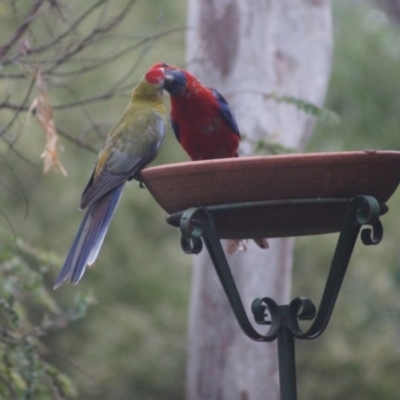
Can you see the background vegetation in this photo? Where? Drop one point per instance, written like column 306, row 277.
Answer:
column 131, row 343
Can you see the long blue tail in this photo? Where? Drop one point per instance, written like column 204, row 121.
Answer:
column 90, row 237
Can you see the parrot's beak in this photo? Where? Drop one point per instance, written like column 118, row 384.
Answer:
column 174, row 81
column 169, row 78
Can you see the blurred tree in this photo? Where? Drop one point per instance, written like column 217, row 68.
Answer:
column 391, row 7
column 249, row 50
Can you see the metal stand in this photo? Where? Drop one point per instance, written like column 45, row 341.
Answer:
column 196, row 224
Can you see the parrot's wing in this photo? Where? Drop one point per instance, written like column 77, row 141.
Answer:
column 118, row 169
column 226, row 111
column 125, row 162
column 175, row 128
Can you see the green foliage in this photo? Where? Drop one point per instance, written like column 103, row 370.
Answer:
column 322, row 114
column 365, row 85
column 28, row 312
column 267, row 147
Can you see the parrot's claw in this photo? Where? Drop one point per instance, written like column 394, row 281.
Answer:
column 138, row 177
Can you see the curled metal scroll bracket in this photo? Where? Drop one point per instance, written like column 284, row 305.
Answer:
column 191, row 245
column 192, row 231
column 368, row 210
column 217, row 255
column 266, row 312
column 372, row 236
column 300, row 308
column 197, row 228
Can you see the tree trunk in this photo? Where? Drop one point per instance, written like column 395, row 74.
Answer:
column 248, row 49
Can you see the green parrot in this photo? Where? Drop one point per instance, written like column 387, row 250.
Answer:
column 132, row 144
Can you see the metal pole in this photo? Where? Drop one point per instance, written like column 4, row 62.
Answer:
column 287, row 359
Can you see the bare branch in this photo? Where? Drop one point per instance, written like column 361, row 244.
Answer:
column 21, row 107
column 89, row 39
column 56, row 40
column 77, row 141
column 22, row 28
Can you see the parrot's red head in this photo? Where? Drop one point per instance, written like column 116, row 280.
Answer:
column 164, row 66
column 155, row 76
column 175, row 78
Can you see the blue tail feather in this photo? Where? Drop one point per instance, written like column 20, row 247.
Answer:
column 90, row 237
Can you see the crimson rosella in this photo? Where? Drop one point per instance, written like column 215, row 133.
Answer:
column 201, row 118
column 202, row 122
column 132, row 144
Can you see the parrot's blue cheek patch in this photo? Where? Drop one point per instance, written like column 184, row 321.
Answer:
column 175, row 82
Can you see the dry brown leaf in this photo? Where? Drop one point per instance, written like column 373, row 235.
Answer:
column 44, row 115
column 234, row 245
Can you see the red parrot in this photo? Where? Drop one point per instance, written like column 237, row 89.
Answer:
column 202, row 122
column 201, row 117
column 132, row 144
